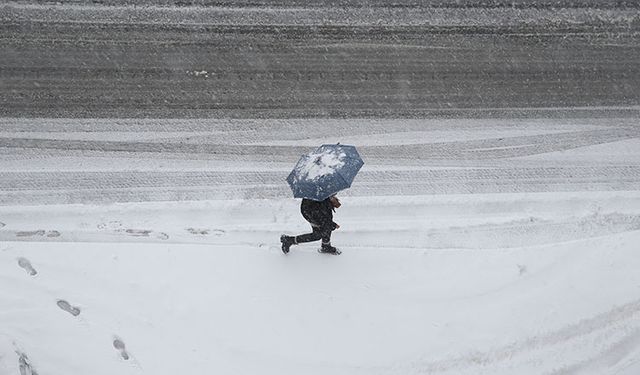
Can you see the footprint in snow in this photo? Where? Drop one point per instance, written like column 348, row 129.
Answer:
column 146, row 233
column 24, row 365
column 116, row 226
column 138, row 232
column 64, row 305
column 39, row 232
column 111, row 225
column 119, row 345
column 31, row 233
column 522, row 269
column 205, row 232
column 199, row 232
column 26, row 265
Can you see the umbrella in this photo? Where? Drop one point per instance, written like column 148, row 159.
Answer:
column 324, row 172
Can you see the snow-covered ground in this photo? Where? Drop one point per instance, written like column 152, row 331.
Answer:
column 469, row 247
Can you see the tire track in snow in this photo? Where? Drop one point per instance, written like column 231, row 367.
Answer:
column 49, row 187
column 499, row 148
column 469, row 150
column 499, row 173
column 622, row 318
column 33, row 181
column 606, row 359
column 255, row 131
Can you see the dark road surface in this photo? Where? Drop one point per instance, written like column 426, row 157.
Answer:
column 106, row 61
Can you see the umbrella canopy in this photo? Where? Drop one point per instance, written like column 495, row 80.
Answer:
column 324, row 172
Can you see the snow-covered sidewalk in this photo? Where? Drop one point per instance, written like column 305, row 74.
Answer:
column 543, row 283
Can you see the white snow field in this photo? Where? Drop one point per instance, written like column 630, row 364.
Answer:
column 487, row 246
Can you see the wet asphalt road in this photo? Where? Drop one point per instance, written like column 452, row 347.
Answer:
column 328, row 62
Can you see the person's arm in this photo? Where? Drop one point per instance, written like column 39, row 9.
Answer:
column 331, row 209
column 325, row 211
column 335, row 202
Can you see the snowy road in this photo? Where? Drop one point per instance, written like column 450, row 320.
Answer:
column 325, row 61
column 82, row 161
column 494, row 228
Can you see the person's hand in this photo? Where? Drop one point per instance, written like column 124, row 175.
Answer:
column 335, row 202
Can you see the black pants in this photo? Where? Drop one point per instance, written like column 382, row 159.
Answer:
column 319, row 233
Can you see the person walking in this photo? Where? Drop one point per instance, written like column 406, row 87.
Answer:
column 320, row 216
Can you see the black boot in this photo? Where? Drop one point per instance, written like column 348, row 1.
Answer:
column 328, row 249
column 287, row 241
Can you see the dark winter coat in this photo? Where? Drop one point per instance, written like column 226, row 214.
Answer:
column 319, row 214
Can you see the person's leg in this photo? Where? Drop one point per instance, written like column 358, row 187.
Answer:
column 287, row 241
column 326, row 236
column 326, row 241
column 316, row 235
column 323, row 234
